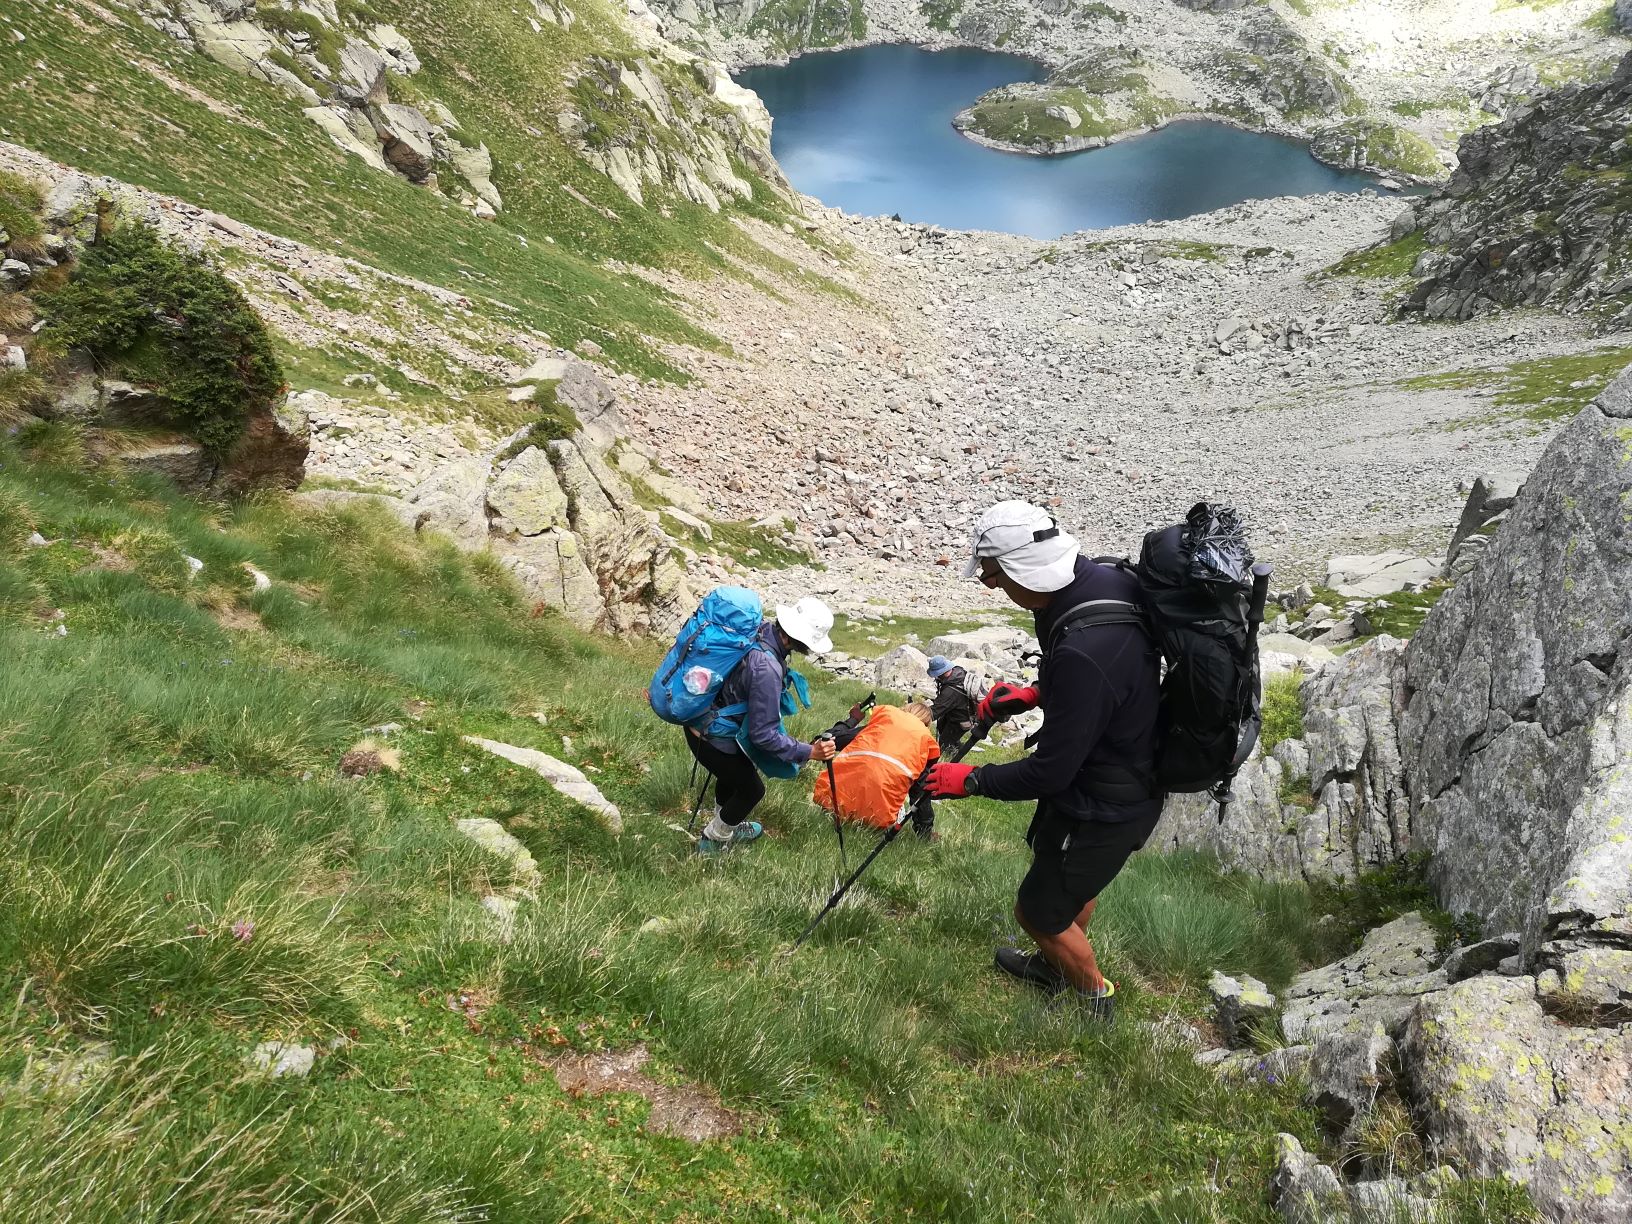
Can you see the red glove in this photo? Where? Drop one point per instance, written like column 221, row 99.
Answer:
column 1005, row 701
column 948, row 781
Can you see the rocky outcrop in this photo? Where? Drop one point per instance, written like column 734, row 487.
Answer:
column 1519, row 720
column 570, row 530
column 1383, row 148
column 339, row 66
column 1276, row 66
column 1488, row 502
column 552, row 511
column 1536, row 212
column 681, row 122
column 668, row 119
column 1347, row 812
column 1506, row 1091
column 1499, row 741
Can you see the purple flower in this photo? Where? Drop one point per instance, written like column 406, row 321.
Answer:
column 243, row 930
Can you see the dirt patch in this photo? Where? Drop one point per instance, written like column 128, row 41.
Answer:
column 238, row 619
column 683, row 1111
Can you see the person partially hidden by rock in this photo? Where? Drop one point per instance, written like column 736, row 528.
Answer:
column 746, row 735
column 877, row 764
column 957, row 699
column 1092, row 767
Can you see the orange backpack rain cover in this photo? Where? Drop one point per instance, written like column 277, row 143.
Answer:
column 876, row 769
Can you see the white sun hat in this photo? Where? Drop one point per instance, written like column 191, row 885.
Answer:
column 807, row 623
column 1027, row 543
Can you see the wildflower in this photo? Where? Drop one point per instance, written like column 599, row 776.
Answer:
column 243, row 930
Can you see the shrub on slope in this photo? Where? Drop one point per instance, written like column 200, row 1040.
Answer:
column 168, row 321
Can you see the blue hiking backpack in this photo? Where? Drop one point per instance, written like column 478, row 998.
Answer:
column 718, row 636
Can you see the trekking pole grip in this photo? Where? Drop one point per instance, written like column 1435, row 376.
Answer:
column 1260, row 591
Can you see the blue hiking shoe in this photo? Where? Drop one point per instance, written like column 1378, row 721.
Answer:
column 747, row 831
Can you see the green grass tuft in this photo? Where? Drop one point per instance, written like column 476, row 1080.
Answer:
column 20, row 204
column 1542, row 390
column 1390, row 260
column 1282, row 709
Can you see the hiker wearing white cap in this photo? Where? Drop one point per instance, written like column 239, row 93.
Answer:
column 756, row 685
column 1093, row 765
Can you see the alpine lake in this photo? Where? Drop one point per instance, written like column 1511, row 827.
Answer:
column 870, row 131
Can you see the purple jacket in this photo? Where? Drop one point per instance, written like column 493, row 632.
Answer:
column 758, row 681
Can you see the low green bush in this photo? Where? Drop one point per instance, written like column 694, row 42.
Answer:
column 168, row 320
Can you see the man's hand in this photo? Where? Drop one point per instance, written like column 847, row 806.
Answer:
column 822, row 749
column 1006, row 700
column 855, row 714
column 948, row 781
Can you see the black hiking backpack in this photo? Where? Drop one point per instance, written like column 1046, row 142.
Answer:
column 1203, row 600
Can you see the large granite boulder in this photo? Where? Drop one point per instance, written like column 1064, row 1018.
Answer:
column 526, row 496
column 1517, row 735
column 1374, row 987
column 1354, row 756
column 1488, row 502
column 1504, row 1090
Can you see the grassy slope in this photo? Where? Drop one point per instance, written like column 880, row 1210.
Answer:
column 243, row 148
column 167, row 770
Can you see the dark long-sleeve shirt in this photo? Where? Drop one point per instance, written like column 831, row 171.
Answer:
column 953, row 709
column 758, row 681
column 1100, row 688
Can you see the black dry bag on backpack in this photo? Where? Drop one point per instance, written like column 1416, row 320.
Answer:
column 1205, row 600
column 1202, row 600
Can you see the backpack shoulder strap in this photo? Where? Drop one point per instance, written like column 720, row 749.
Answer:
column 1097, row 612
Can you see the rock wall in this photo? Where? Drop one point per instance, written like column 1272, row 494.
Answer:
column 1519, row 715
column 1536, row 212
column 1500, row 740
column 553, row 512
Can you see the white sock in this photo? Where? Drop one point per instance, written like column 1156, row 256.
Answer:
column 717, row 830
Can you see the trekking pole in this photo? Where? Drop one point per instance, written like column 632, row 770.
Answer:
column 976, row 734
column 838, row 825
column 701, row 791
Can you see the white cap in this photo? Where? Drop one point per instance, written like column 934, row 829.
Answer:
column 807, row 623
column 1030, row 546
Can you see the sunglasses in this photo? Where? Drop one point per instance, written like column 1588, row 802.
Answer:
column 990, row 578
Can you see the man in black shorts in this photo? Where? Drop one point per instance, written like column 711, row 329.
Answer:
column 1092, row 769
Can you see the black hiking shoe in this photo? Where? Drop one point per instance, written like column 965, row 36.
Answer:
column 1032, row 968
column 1098, row 1007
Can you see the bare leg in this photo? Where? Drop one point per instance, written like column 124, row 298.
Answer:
column 1070, row 951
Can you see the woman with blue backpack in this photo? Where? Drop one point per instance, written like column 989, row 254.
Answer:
column 727, row 682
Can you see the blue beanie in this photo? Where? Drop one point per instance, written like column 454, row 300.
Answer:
column 939, row 665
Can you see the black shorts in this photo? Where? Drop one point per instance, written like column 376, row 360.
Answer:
column 1071, row 863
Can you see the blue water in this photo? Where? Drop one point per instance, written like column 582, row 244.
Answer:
column 870, row 130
